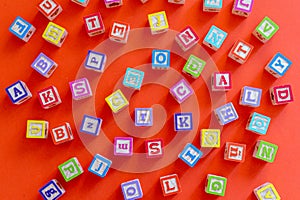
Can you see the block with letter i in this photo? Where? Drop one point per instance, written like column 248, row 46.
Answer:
column 183, row 121
column 117, row 101
column 91, row 125
column 80, row 89
column 226, row 113
column 143, row 116
column 113, row 3
column 70, row 169
column 44, row 65
column 100, row 165
column 240, row 52
column 37, row 129
column 212, row 5
column 22, row 29
column 221, row 81
column 119, row 32
column 82, row 3
column 170, row 184
column 235, row 152
column 181, row 91
column 161, row 59
column 154, row 148
column 258, row 123
column 94, row 24
column 49, row 97
column 215, row 38
column 265, row 30
column 215, row 185
column 210, row 138
column 194, row 66
column 187, row 38
column 55, row 34
column 265, row 151
column 190, row 155
column 250, row 96
column 50, row 9
column 133, row 78
column 95, row 61
column 266, row 191
column 132, row 190
column 281, row 94
column 177, row 1
column 158, row 22
column 62, row 133
column 278, row 65
column 242, row 7
column 123, row 146
column 18, row 92
column 52, row 190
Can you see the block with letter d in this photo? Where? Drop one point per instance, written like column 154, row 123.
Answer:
column 187, row 38
column 154, row 148
column 80, row 89
column 265, row 30
column 70, row 169
column 18, row 92
column 50, row 9
column 242, row 7
column 94, row 24
column 119, row 32
column 221, row 81
column 265, row 151
column 226, row 113
column 281, row 94
column 52, row 190
column 49, row 97
column 190, row 155
column 55, row 34
column 215, row 185
column 132, row 189
column 117, row 101
column 37, row 129
column 170, row 184
column 266, row 191
column 100, row 165
column 62, row 133
column 22, row 29
column 278, row 65
column 44, row 65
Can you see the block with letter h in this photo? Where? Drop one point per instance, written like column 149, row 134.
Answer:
column 170, row 184
column 265, row 30
column 250, row 96
column 158, row 22
column 113, row 3
column 94, row 24
column 62, row 133
column 18, row 92
column 177, row 1
column 52, row 190
column 117, row 101
column 91, row 125
column 215, row 38
column 80, row 89
column 221, row 81
column 242, row 7
column 215, row 185
column 183, row 121
column 133, row 78
column 226, row 113
column 49, row 97
column 265, row 151
column 194, row 66
column 143, row 116
column 37, row 129
column 119, row 32
column 258, row 123
column 187, row 38
column 212, row 5
column 50, row 9
column 82, row 3
column 95, row 61
column 22, row 29
column 190, row 155
column 55, row 34
column 132, row 190
column 210, row 138
column 240, row 52
column 181, row 91
column 278, row 65
column 70, row 169
column 266, row 191
column 123, row 146
column 154, row 148
column 160, row 59
column 235, row 152
column 100, row 165
column 281, row 94
column 44, row 65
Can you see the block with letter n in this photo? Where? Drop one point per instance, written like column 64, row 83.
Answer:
column 265, row 151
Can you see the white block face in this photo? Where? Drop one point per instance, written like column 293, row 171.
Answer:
column 90, row 125
column 154, row 148
column 47, row 97
column 60, row 133
column 280, row 65
column 122, row 146
column 93, row 23
column 235, row 152
column 170, row 185
column 244, row 5
column 16, row 91
column 20, row 27
column 158, row 21
column 222, row 80
column 190, row 155
column 36, row 129
column 99, row 167
column 181, row 91
column 131, row 191
column 119, row 30
column 216, row 186
column 242, row 50
column 187, row 37
column 266, row 28
column 48, row 6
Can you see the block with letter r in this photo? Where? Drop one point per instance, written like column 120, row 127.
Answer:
column 183, row 121
column 226, row 113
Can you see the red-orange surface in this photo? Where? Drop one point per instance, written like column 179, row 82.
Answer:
column 27, row 164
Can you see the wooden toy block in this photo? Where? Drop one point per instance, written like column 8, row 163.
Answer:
column 187, row 38
column 242, row 7
column 37, row 129
column 281, row 94
column 240, row 52
column 50, row 9
column 100, row 165
column 221, row 81
column 250, row 96
column 22, row 29
column 160, row 59
column 119, row 32
column 210, row 138
column 143, row 117
column 265, row 151
column 226, row 113
column 18, row 92
column 154, row 148
column 94, row 24
column 266, row 191
column 133, row 78
column 170, row 184
column 214, row 38
column 132, row 190
column 235, row 152
column 113, row 3
column 194, row 66
column 117, row 101
column 49, row 97
column 158, row 22
column 215, row 185
column 123, row 146
column 177, row 1
column 83, row 3
column 181, row 91
column 183, row 121
column 91, row 125
column 44, row 65
column 278, row 65
column 70, row 169
column 80, row 89
column 190, row 155
column 55, row 34
column 265, row 30
column 258, row 123
column 95, row 61
column 52, row 190
column 212, row 5
column 62, row 133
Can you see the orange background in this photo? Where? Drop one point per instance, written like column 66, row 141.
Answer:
column 27, row 164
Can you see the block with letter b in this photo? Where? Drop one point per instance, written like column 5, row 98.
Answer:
column 117, row 101
column 119, row 32
column 113, row 3
column 215, row 38
column 154, row 148
column 52, row 190
column 278, row 65
column 55, row 34
column 132, row 190
column 215, row 185
column 123, row 146
column 18, row 92
column 80, row 89
column 95, row 61
column 242, row 7
column 91, row 125
column 143, row 116
column 37, row 129
column 160, row 59
column 265, row 151
column 133, row 78
column 221, row 81
column 22, row 29
column 158, row 22
column 50, row 9
column 210, row 138
column 235, row 152
column 187, row 38
column 44, row 65
column 240, row 52
column 62, row 133
column 82, row 3
column 212, row 5
column 94, row 24
column 190, row 155
column 266, row 191
column 194, row 66
column 181, row 91
column 250, row 96
column 170, row 184
column 265, row 30
column 49, row 97
column 226, row 113
column 100, row 165
column 258, row 123
column 281, row 94
column 183, row 121
column 70, row 169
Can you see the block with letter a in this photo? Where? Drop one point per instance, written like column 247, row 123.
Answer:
column 221, row 81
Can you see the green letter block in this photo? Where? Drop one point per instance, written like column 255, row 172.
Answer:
column 265, row 151
column 194, row 66
column 266, row 29
column 70, row 169
column 215, row 185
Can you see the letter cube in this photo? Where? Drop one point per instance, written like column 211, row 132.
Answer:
column 44, row 65
column 55, row 34
column 181, row 91
column 170, row 184
column 242, row 7
column 210, row 137
column 194, row 66
column 119, row 32
column 113, row 3
column 100, row 165
column 95, row 61
column 250, row 96
column 49, row 97
column 158, row 22
column 83, row 3
column 177, row 1
column 70, row 169
column 80, row 89
column 52, row 190
column 265, row 30
column 266, row 191
column 22, row 29
column 160, row 59
column 265, row 151
column 154, row 148
column 123, row 146
column 278, row 65
column 214, row 38
column 240, row 52
column 132, row 189
column 37, row 129
column 18, row 92
column 143, row 117
column 221, row 81
column 187, row 38
column 50, row 9
column 226, row 113
column 183, row 121
column 215, row 185
column 281, row 94
column 212, row 5
column 62, row 133
column 91, row 125
column 94, row 24
column 133, row 78
column 258, row 123
column 235, row 152
column 117, row 101
column 190, row 155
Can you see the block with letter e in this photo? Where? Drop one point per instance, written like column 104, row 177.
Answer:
column 55, row 34
column 119, row 32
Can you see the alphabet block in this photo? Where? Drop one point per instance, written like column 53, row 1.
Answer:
column 281, row 94
column 117, row 101
column 133, row 78
column 123, row 146
column 44, row 65
column 160, row 59
column 22, row 29
column 18, row 92
column 132, row 189
column 265, row 30
column 278, row 65
column 52, row 190
column 187, row 38
column 266, row 191
column 100, row 165
column 95, row 61
column 235, row 152
column 190, row 155
column 194, row 66
column 181, row 91
column 210, row 137
column 226, row 113
column 154, row 148
column 80, row 89
column 62, row 133
column 221, row 81
column 119, row 32
column 70, row 169
column 258, row 123
column 170, row 184
column 265, row 151
column 183, row 121
column 250, row 96
column 91, row 125
column 37, row 129
column 240, row 51
column 143, row 117
column 212, row 5
column 158, row 22
column 215, row 185
column 113, row 3
column 82, row 3
column 242, row 7
column 50, row 9
column 49, row 97
column 177, row 1
column 214, row 38
column 55, row 34
column 94, row 24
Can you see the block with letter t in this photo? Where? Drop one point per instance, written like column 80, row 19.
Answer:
column 240, row 52
column 94, row 24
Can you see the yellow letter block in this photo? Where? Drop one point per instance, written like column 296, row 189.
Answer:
column 210, row 137
column 266, row 191
column 55, row 34
column 37, row 129
column 158, row 22
column 116, row 101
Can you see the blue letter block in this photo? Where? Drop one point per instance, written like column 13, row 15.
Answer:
column 215, row 38
column 52, row 190
column 160, row 59
column 143, row 117
column 258, row 123
column 90, row 125
column 132, row 190
column 22, row 29
column 190, row 155
column 18, row 92
column 183, row 122
column 100, row 165
column 133, row 78
column 279, row 65
column 226, row 113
